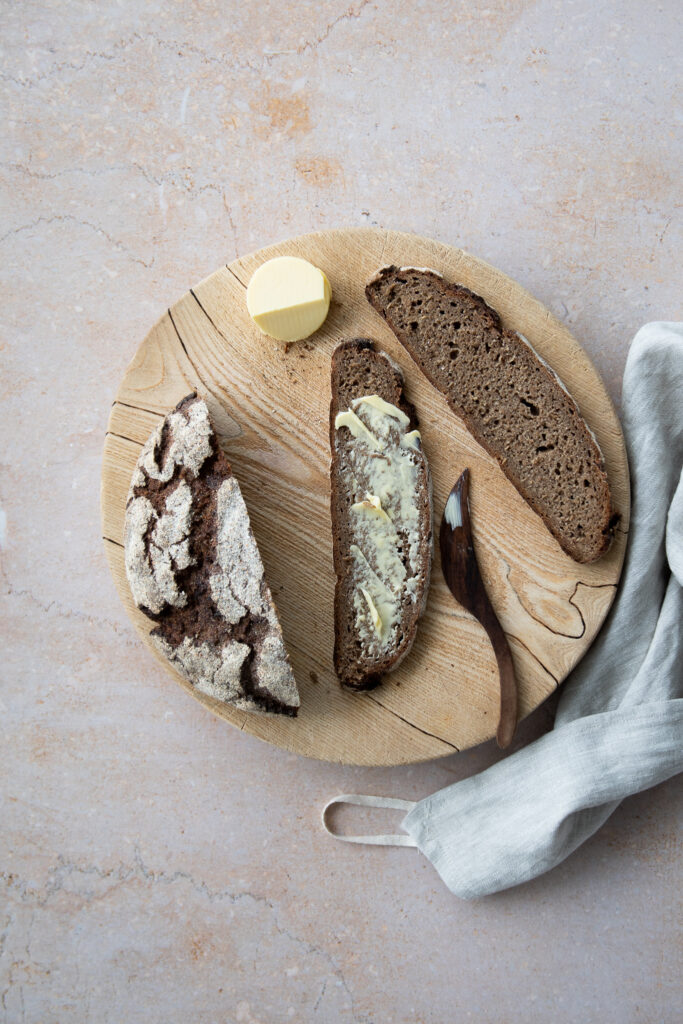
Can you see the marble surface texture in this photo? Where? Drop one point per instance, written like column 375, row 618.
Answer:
column 158, row 865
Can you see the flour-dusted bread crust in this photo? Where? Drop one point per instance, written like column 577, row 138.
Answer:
column 509, row 398
column 194, row 568
column 382, row 541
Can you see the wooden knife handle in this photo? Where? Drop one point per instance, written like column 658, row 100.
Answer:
column 507, row 721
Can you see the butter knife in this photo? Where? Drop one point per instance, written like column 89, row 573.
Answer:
column 461, row 571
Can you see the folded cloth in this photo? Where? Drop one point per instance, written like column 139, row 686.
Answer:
column 619, row 724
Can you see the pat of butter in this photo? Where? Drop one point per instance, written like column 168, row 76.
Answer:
column 288, row 298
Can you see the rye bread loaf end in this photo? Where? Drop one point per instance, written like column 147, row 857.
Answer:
column 509, row 398
column 194, row 568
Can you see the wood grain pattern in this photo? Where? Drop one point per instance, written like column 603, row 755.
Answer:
column 270, row 406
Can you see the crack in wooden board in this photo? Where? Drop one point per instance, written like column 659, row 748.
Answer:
column 373, row 698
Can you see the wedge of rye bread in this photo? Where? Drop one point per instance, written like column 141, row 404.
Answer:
column 194, row 568
column 509, row 398
column 381, row 515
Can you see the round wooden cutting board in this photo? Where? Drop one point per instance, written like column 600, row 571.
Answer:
column 270, row 402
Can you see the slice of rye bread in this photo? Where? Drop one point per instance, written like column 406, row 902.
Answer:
column 361, row 654
column 509, row 398
column 194, row 568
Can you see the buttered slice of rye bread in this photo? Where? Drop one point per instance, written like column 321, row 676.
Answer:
column 509, row 398
column 381, row 515
column 194, row 568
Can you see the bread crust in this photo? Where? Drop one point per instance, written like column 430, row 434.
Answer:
column 194, row 568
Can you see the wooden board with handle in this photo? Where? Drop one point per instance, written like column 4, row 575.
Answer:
column 270, row 402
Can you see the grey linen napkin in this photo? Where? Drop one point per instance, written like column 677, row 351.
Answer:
column 619, row 725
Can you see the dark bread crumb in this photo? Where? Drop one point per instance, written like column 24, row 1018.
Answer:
column 509, row 400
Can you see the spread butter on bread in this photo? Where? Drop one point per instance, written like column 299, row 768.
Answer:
column 381, row 515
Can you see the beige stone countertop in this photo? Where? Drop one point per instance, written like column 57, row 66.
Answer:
column 158, row 865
